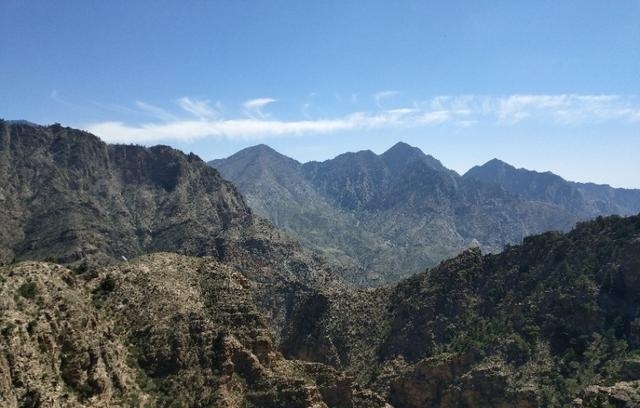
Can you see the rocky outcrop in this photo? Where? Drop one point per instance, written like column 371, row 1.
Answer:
column 451, row 381
column 56, row 349
column 161, row 330
column 621, row 394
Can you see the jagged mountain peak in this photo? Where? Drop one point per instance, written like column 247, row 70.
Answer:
column 260, row 151
column 497, row 163
column 402, row 149
column 254, row 161
column 494, row 168
column 21, row 122
column 363, row 200
column 398, row 155
column 360, row 156
column 401, row 154
column 512, row 178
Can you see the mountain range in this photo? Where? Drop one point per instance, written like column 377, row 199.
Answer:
column 390, row 215
column 138, row 277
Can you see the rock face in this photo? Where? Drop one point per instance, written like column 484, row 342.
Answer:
column 390, row 215
column 621, row 394
column 56, row 349
column 163, row 330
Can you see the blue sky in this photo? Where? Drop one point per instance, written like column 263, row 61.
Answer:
column 546, row 85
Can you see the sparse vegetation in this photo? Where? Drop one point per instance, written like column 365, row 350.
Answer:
column 106, row 286
column 81, row 268
column 28, row 290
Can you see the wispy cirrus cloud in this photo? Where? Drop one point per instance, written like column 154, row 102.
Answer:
column 434, row 117
column 56, row 96
column 379, row 96
column 567, row 109
column 253, row 107
column 155, row 111
column 252, row 122
column 197, row 107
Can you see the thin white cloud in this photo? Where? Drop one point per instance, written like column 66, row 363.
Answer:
column 379, row 96
column 155, row 111
column 567, row 109
column 435, row 117
column 463, row 111
column 115, row 108
column 56, row 97
column 197, row 107
column 561, row 109
column 253, row 107
column 249, row 128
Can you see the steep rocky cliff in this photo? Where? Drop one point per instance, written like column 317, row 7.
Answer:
column 68, row 196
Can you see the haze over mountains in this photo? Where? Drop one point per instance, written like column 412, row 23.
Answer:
column 390, row 215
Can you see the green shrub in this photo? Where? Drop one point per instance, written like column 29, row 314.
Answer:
column 31, row 399
column 108, row 284
column 28, row 290
column 81, row 268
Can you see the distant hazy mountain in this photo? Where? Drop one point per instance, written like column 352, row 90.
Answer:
column 588, row 200
column 393, row 214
